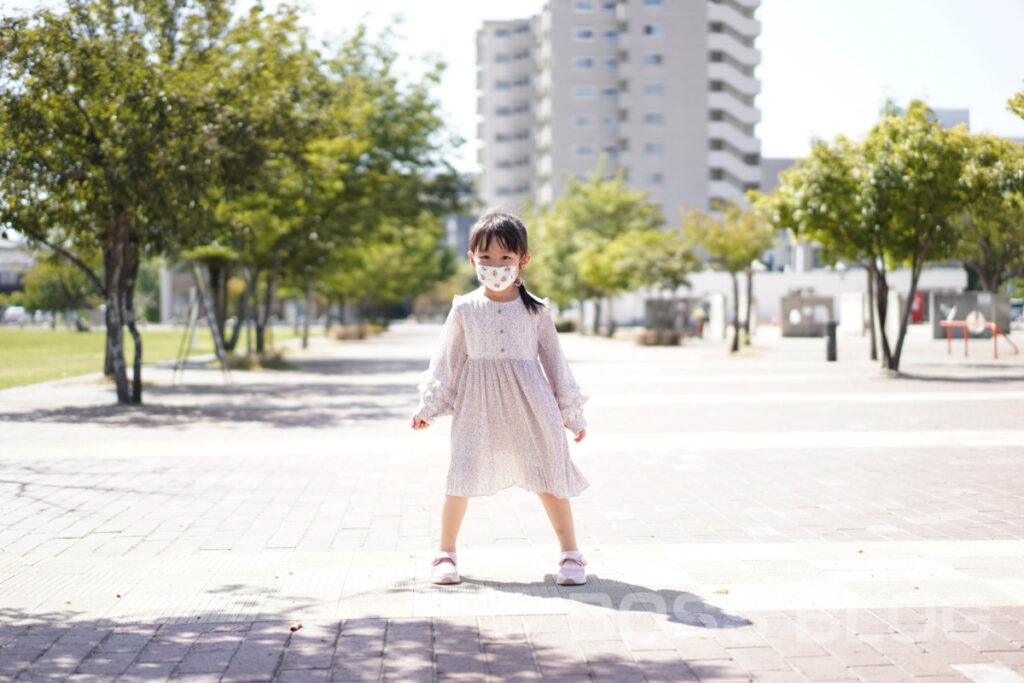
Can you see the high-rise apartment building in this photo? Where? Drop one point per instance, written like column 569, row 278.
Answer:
column 664, row 89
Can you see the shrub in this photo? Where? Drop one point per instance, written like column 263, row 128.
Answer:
column 348, row 332
column 565, row 325
column 659, row 338
column 267, row 361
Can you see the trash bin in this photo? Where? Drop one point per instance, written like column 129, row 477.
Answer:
column 830, row 335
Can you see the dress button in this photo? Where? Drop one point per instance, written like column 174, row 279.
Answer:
column 503, row 350
column 501, row 331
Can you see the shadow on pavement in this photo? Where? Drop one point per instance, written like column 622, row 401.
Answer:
column 52, row 646
column 680, row 606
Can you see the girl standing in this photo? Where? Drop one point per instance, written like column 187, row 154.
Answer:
column 500, row 371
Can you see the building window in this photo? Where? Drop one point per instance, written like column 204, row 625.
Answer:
column 654, row 119
column 611, row 36
column 584, row 34
column 652, row 3
column 502, row 33
column 717, row 86
column 654, row 148
column 523, row 28
column 584, row 150
column 751, row 186
column 611, row 151
column 717, row 115
column 584, row 121
column 611, row 64
column 653, row 30
column 608, row 7
column 752, row 159
column 522, row 54
column 502, row 59
column 654, row 178
column 610, row 94
column 583, row 6
column 503, row 85
column 583, row 62
column 654, row 89
column 717, row 144
column 583, row 92
column 717, row 174
column 716, row 56
column 716, row 27
column 610, row 122
column 653, row 60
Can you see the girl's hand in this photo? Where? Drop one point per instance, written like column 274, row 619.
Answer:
column 582, row 435
column 417, row 423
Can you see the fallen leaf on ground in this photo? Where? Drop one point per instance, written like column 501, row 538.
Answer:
column 722, row 591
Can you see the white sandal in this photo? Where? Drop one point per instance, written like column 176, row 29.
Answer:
column 571, row 569
column 443, row 569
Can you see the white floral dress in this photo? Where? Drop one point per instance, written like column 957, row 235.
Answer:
column 500, row 371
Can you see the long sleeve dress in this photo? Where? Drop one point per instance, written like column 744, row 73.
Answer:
column 500, row 372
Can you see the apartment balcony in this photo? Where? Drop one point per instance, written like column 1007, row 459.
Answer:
column 735, row 167
column 747, row 144
column 725, row 43
column 745, row 4
column 744, row 113
column 723, row 189
column 727, row 73
column 728, row 15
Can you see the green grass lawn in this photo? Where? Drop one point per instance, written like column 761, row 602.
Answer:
column 38, row 354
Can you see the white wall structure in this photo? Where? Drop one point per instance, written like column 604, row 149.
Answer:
column 663, row 89
column 770, row 287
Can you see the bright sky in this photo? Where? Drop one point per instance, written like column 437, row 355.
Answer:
column 827, row 65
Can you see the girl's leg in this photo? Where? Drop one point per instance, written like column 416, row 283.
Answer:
column 451, row 520
column 560, row 513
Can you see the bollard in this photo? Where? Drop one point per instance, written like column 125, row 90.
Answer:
column 830, row 334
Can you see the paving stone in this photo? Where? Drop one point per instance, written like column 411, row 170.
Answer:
column 843, row 542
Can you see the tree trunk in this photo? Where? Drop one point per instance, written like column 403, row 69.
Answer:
column 309, row 314
column 130, row 317
column 735, row 312
column 114, row 268
column 871, row 312
column 242, row 312
column 597, row 316
column 750, row 304
column 264, row 314
column 882, row 297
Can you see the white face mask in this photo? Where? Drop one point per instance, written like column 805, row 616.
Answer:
column 496, row 278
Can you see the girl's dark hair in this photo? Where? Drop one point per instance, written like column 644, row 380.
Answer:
column 510, row 234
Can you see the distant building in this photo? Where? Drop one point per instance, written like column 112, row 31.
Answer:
column 456, row 232
column 949, row 118
column 663, row 89
column 15, row 261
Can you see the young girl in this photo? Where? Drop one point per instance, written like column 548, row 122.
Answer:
column 509, row 413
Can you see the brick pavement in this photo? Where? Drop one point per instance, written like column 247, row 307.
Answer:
column 767, row 517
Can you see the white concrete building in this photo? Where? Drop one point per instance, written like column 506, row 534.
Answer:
column 664, row 89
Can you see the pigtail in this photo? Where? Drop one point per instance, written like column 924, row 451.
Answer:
column 531, row 303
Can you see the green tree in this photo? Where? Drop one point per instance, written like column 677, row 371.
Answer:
column 820, row 199
column 660, row 260
column 733, row 240
column 57, row 286
column 912, row 189
column 574, row 231
column 991, row 225
column 374, row 157
column 889, row 201
column 1016, row 104
column 112, row 137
